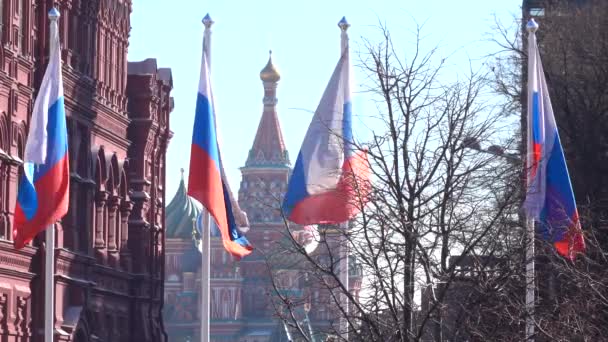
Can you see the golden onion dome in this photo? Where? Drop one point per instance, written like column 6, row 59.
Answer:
column 270, row 73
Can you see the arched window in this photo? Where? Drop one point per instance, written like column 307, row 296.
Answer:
column 24, row 8
column 125, row 212
column 101, row 197
column 111, row 210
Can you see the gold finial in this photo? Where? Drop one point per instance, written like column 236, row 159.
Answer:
column 270, row 73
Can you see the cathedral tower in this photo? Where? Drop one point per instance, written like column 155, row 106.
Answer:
column 267, row 168
column 264, row 182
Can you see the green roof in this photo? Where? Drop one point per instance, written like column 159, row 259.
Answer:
column 180, row 213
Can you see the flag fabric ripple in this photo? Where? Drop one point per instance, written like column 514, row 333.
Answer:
column 549, row 198
column 205, row 180
column 43, row 195
column 329, row 183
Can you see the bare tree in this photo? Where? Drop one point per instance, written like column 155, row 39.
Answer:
column 441, row 219
column 572, row 297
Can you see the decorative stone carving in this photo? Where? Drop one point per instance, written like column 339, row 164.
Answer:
column 21, row 316
column 3, row 313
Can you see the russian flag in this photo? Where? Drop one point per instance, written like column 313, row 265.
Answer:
column 44, row 188
column 549, row 198
column 329, row 183
column 206, row 181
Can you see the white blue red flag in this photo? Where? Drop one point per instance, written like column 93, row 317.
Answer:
column 44, row 188
column 329, row 182
column 549, row 198
column 206, row 181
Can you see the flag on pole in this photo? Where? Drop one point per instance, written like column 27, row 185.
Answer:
column 43, row 195
column 549, row 198
column 329, row 183
column 205, row 180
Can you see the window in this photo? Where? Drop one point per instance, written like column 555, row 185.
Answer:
column 537, row 12
column 2, row 21
column 22, row 35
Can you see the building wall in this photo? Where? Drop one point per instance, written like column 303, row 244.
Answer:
column 109, row 256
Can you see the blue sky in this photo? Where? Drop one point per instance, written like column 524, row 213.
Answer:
column 305, row 41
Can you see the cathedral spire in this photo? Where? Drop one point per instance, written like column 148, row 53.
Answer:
column 268, row 148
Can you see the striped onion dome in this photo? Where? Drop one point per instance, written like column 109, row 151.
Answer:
column 180, row 213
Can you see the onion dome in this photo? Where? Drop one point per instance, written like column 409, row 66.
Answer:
column 180, row 213
column 270, row 73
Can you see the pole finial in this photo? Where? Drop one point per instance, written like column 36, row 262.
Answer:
column 207, row 21
column 343, row 24
column 54, row 14
column 181, row 170
column 532, row 26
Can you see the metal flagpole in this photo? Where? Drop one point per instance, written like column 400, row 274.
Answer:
column 530, row 286
column 205, row 274
column 344, row 278
column 531, row 27
column 49, row 262
column 344, row 25
column 206, row 228
column 49, row 285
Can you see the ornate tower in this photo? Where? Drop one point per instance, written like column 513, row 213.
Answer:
column 267, row 167
column 264, row 182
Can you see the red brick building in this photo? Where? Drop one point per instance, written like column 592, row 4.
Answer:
column 109, row 252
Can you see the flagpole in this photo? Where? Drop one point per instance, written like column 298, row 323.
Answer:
column 344, row 25
column 205, row 274
column 205, row 234
column 531, row 27
column 49, row 262
column 49, row 285
column 344, row 279
column 530, row 286
column 207, row 21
